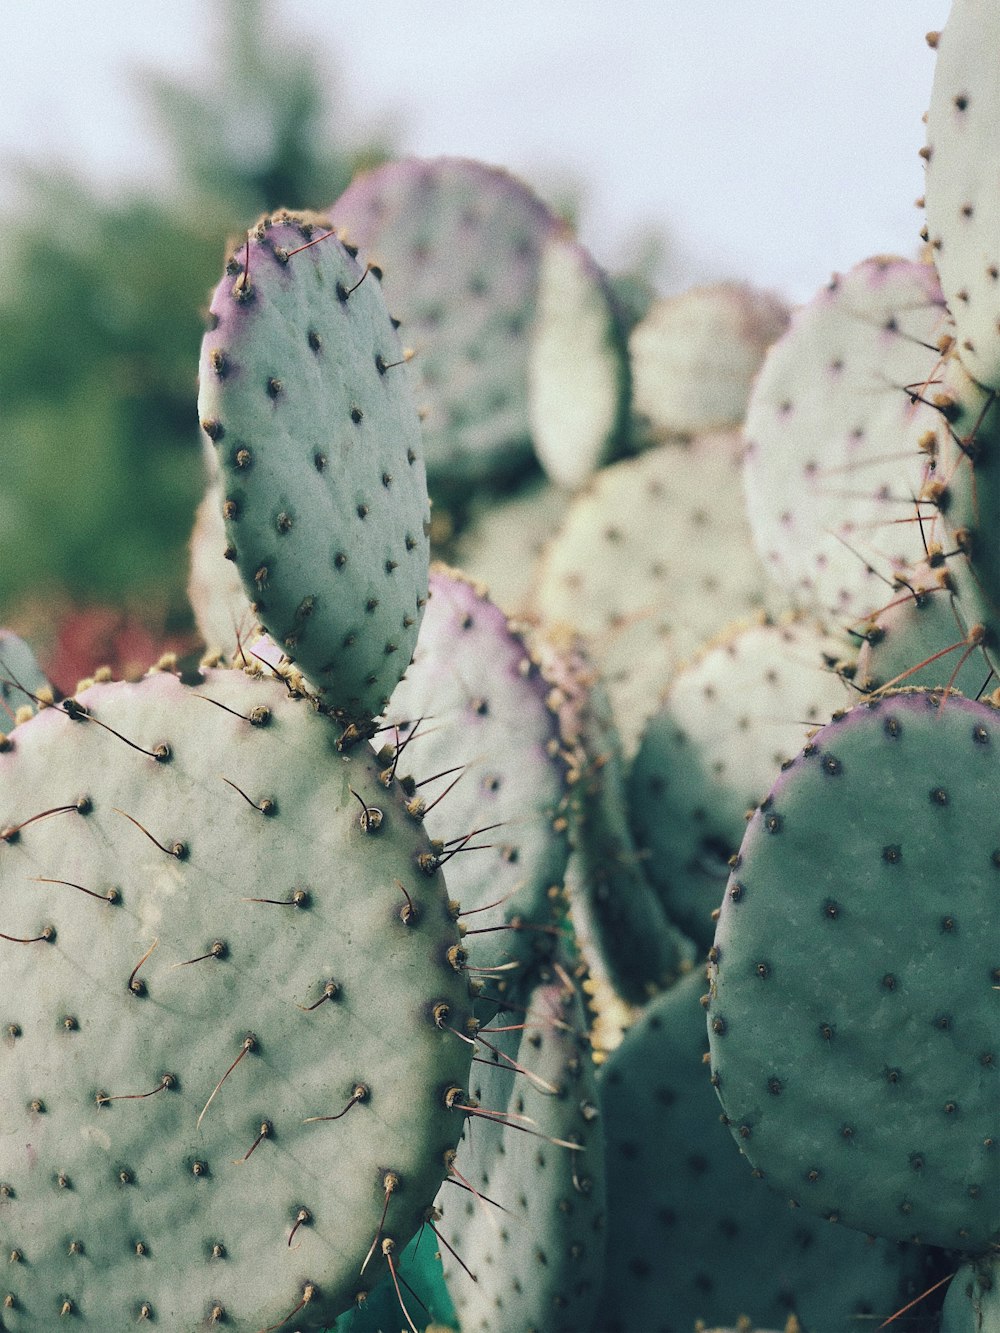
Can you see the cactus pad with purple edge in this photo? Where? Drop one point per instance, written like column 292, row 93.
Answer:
column 855, row 989
column 223, row 991
column 483, row 743
column 304, row 394
column 834, row 464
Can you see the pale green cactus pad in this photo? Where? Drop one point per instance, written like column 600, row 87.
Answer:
column 224, row 987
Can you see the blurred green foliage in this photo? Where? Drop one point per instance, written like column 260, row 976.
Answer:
column 101, row 310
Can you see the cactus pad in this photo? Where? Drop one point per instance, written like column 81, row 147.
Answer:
column 222, row 950
column 304, row 394
column 833, row 465
column 963, row 187
column 855, row 1006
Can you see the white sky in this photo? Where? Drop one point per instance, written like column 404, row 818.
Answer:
column 771, row 139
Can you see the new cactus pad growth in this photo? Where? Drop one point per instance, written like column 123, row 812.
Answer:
column 304, row 395
column 224, row 988
column 855, row 986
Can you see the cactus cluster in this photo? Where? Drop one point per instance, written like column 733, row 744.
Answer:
column 615, row 953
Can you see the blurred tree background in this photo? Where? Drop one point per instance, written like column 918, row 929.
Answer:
column 101, row 308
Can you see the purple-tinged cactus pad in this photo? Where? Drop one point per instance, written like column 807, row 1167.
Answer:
column 501, row 307
column 539, row 1263
column 713, row 749
column 226, row 943
column 474, row 714
column 834, row 463
column 962, row 189
column 695, row 1232
column 855, row 991
column 304, row 394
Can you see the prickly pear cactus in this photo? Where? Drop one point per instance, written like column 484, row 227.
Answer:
column 694, row 357
column 480, row 747
column 855, row 988
column 972, row 1304
column 500, row 306
column 962, row 192
column 695, row 1232
column 712, row 750
column 304, row 395
column 653, row 557
column 834, row 464
column 531, row 1223
column 224, row 987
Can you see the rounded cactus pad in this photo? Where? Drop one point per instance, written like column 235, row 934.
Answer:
column 23, row 683
column 480, row 746
column 834, row 463
column 713, row 749
column 963, row 187
column 304, row 393
column 224, row 975
column 653, row 557
column 855, row 989
column 696, row 1233
column 694, row 357
column 472, row 262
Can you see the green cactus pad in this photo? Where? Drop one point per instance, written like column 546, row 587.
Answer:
column 855, row 1009
column 654, row 556
column 834, row 465
column 304, row 394
column 697, row 1236
column 962, row 189
column 230, row 946
column 479, row 271
column 222, row 610
column 930, row 633
column 695, row 356
column 474, row 715
column 713, row 749
column 972, row 1304
column 539, row 1256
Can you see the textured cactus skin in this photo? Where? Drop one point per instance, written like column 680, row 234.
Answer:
column 114, row 1199
column 460, row 247
column 962, row 192
column 485, row 707
column 712, row 750
column 538, row 1263
column 303, row 392
column 972, row 1304
column 829, row 406
column 853, row 1016
column 698, row 1235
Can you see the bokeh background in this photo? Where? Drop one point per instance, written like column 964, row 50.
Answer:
column 775, row 142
